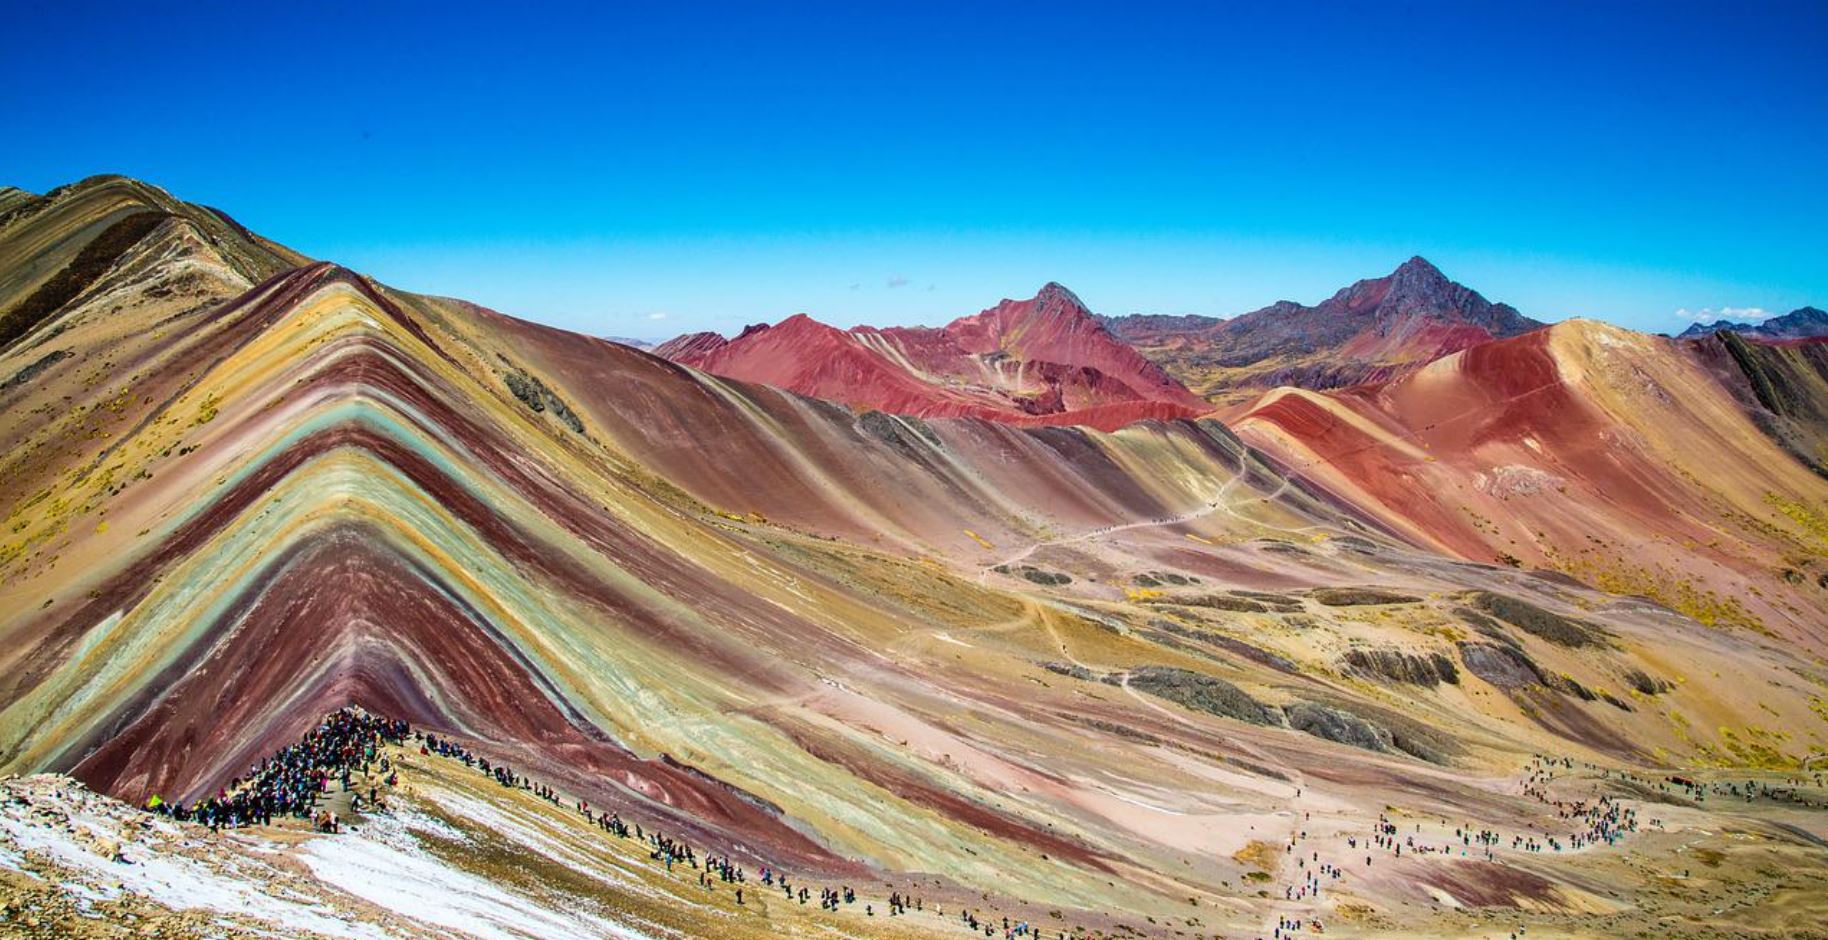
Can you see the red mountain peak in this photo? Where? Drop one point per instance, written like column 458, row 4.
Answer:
column 1045, row 358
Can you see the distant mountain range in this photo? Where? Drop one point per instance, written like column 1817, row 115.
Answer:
column 1050, row 360
column 1801, row 323
column 1375, row 330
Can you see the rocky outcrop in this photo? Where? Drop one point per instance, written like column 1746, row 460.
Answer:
column 1242, row 605
column 1782, row 386
column 1336, row 725
column 1398, row 666
column 536, row 396
column 1534, row 620
column 1372, row 728
column 1202, row 692
column 1359, row 597
column 1646, row 683
column 1501, row 666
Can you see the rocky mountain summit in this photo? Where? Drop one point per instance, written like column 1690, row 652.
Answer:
column 1044, row 360
column 1373, row 330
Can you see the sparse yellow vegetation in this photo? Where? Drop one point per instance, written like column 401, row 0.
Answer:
column 1807, row 518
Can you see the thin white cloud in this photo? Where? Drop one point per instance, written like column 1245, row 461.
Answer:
column 1735, row 314
column 897, row 281
column 657, row 316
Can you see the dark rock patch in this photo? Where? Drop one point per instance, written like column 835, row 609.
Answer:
column 1531, row 619
column 1501, row 666
column 1337, row 725
column 34, row 370
column 1151, row 579
column 1353, row 543
column 1074, row 670
column 1049, row 578
column 1359, row 597
column 1216, row 602
column 94, row 260
column 1616, row 702
column 1646, row 683
column 1201, row 692
column 1397, row 666
column 1567, row 685
column 1408, row 735
column 536, row 396
column 1487, row 627
column 1280, row 603
column 1372, row 728
column 1557, row 578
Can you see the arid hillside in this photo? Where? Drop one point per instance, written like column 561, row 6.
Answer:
column 1174, row 678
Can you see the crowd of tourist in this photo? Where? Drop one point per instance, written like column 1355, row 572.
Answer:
column 293, row 780
column 345, row 750
column 1598, row 820
column 1750, row 790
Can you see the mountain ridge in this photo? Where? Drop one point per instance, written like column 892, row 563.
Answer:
column 1371, row 330
column 1801, row 323
column 1046, row 359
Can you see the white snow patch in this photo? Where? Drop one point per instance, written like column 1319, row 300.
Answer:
column 386, row 866
column 171, row 879
column 538, row 837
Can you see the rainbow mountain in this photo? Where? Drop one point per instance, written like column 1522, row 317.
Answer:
column 1100, row 680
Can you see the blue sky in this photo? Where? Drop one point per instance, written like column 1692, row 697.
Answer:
column 646, row 170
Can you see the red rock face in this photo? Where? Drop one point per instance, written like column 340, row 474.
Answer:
column 1581, row 448
column 689, row 345
column 1045, row 360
